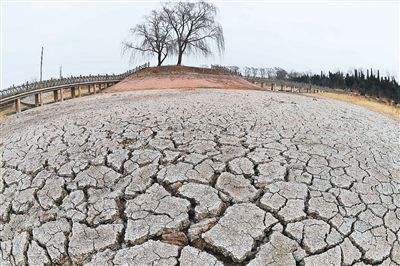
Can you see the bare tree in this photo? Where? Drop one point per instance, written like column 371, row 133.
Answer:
column 254, row 70
column 194, row 26
column 262, row 72
column 234, row 69
column 270, row 72
column 151, row 37
column 247, row 71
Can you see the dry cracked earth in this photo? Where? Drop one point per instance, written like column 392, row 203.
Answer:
column 199, row 177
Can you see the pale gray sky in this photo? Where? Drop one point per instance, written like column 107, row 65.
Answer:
column 85, row 37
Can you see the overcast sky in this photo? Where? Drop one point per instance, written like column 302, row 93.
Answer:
column 85, row 37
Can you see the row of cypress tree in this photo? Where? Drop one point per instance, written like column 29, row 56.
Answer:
column 371, row 84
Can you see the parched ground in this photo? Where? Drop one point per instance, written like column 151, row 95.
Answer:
column 199, row 177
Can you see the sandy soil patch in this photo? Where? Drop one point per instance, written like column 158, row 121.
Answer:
column 369, row 103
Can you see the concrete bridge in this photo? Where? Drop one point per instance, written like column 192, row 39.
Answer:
column 73, row 86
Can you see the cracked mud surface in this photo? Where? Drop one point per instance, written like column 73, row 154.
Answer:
column 201, row 177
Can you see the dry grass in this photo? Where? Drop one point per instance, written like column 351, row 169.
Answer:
column 372, row 104
column 3, row 114
column 176, row 70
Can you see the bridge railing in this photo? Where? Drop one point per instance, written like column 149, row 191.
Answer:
column 31, row 86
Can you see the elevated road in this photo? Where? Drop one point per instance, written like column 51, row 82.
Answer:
column 76, row 86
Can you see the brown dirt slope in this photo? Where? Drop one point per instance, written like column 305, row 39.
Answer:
column 181, row 77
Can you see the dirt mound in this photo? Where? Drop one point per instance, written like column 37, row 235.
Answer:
column 181, row 77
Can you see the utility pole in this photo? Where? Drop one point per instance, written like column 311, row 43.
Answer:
column 41, row 65
column 61, row 72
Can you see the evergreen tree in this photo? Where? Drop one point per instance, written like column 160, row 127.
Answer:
column 370, row 84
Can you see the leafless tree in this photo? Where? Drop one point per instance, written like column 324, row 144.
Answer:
column 270, row 72
column 254, row 70
column 234, row 69
column 262, row 72
column 151, row 37
column 194, row 27
column 247, row 71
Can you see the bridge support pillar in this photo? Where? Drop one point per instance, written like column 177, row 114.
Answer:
column 79, row 91
column 281, row 87
column 38, row 99
column 55, row 95
column 61, row 95
column 272, row 86
column 18, row 105
column 73, row 92
column 41, row 99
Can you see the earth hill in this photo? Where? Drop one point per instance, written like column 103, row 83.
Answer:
column 176, row 77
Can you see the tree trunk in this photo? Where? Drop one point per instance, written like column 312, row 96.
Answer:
column 179, row 59
column 159, row 62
